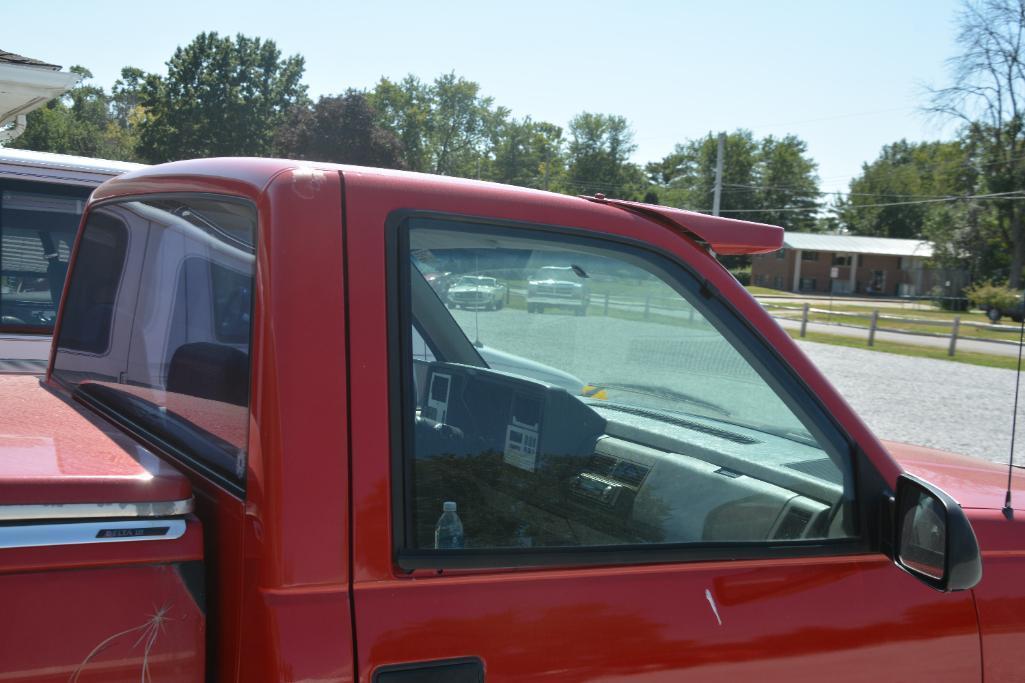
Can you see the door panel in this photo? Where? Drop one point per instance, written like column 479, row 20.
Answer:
column 848, row 619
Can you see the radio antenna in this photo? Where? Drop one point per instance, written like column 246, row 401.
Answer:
column 1008, row 510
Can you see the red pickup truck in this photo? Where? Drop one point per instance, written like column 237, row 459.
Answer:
column 266, row 449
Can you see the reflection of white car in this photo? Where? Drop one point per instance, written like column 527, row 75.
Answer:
column 557, row 286
column 476, row 291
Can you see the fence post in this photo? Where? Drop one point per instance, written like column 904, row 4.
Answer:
column 647, row 305
column 953, row 334
column 804, row 317
column 508, row 292
column 606, row 311
column 690, row 314
column 872, row 327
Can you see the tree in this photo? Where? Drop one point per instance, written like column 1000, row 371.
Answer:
column 771, row 180
column 341, row 129
column 598, row 157
column 527, row 153
column 892, row 197
column 446, row 127
column 461, row 120
column 81, row 123
column 404, row 108
column 787, row 184
column 126, row 95
column 221, row 97
column 987, row 94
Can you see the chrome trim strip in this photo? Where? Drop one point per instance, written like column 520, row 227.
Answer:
column 72, row 533
column 23, row 513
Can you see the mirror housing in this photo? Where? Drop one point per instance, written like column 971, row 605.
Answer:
column 933, row 539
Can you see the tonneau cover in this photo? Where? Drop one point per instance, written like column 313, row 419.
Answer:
column 54, row 453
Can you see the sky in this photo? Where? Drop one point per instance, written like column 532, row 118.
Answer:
column 847, row 77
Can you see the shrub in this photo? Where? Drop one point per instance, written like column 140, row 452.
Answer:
column 743, row 274
column 987, row 295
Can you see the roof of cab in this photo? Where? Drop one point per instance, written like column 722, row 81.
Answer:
column 723, row 235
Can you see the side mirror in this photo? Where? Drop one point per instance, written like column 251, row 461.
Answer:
column 934, row 540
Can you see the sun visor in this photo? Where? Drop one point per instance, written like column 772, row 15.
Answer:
column 726, row 236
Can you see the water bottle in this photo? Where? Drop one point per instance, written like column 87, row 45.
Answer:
column 521, row 535
column 448, row 533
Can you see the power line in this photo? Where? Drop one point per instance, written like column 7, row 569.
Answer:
column 836, row 192
column 1018, row 194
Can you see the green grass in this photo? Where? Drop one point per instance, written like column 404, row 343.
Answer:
column 923, row 313
column 939, row 328
column 972, row 358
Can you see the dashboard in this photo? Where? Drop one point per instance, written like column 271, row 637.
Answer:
column 533, row 465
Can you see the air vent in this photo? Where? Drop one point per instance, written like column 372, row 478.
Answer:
column 629, row 473
column 680, row 422
column 601, row 464
column 793, row 524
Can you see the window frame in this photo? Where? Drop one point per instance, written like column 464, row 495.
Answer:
column 865, row 479
column 236, row 487
column 48, row 188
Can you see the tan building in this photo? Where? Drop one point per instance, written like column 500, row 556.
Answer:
column 848, row 264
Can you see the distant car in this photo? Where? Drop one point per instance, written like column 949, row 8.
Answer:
column 476, row 291
column 1015, row 312
column 557, row 286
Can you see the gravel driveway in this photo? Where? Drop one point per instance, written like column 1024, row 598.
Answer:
column 951, row 406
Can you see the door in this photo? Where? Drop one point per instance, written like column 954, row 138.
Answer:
column 644, row 490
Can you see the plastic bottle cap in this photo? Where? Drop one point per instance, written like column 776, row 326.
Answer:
column 448, row 506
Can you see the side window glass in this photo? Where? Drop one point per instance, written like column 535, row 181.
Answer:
column 90, row 310
column 604, row 402
column 37, row 229
column 158, row 321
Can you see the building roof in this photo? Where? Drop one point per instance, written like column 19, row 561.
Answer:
column 11, row 58
column 856, row 244
column 27, row 84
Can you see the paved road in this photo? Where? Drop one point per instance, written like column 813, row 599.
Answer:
column 951, row 406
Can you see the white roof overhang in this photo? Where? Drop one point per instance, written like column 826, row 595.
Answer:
column 24, row 88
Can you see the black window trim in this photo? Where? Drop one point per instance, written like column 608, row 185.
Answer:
column 869, row 489
column 148, row 438
column 50, row 188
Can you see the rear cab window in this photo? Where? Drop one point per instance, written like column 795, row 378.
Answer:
column 157, row 327
column 603, row 403
column 38, row 222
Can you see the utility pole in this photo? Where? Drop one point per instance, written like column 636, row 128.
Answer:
column 548, row 162
column 718, row 174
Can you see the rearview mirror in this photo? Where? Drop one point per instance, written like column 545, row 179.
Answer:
column 934, row 540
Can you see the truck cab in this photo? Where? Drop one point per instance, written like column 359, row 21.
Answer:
column 259, row 407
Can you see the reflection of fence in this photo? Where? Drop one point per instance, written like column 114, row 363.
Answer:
column 650, row 307
column 884, row 322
